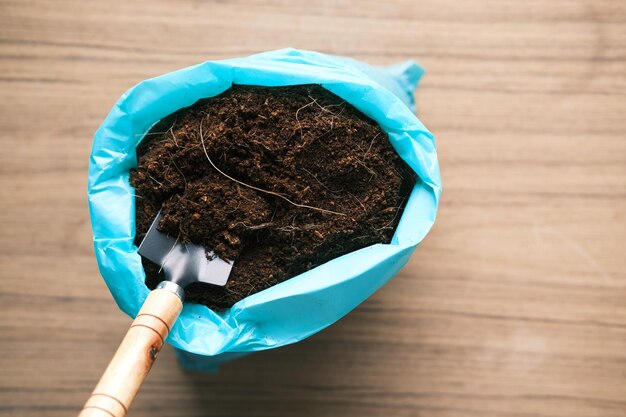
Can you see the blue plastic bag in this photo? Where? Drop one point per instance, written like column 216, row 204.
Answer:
column 309, row 302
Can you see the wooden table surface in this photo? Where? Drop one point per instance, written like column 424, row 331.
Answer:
column 514, row 305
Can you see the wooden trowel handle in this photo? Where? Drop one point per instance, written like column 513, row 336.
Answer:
column 137, row 352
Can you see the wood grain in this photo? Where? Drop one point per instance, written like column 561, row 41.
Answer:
column 514, row 305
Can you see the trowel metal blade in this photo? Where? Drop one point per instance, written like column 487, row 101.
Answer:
column 183, row 263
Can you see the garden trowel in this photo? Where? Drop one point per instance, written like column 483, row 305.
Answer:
column 183, row 264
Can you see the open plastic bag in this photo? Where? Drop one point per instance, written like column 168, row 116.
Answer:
column 309, row 302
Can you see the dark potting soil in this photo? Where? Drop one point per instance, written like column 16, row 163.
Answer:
column 278, row 179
